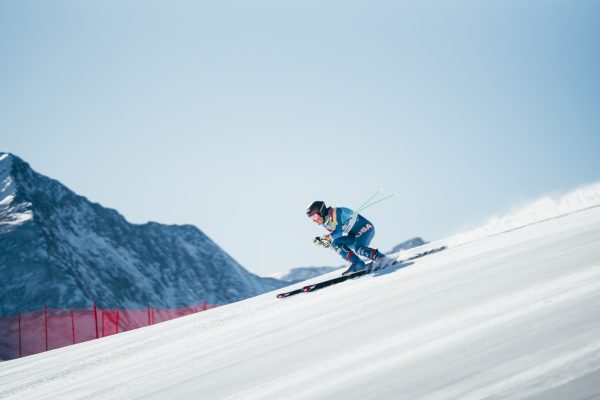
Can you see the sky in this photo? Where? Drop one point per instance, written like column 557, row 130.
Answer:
column 233, row 115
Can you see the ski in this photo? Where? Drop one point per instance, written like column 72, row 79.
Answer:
column 288, row 294
column 343, row 278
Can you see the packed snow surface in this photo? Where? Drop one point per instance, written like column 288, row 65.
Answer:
column 510, row 315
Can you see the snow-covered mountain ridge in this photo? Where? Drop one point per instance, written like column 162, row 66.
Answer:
column 543, row 209
column 61, row 250
column 511, row 315
column 10, row 214
column 300, row 274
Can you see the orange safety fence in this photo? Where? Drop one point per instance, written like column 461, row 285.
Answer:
column 51, row 328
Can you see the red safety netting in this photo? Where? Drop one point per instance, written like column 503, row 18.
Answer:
column 47, row 329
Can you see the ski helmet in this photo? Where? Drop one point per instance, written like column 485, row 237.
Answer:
column 317, row 207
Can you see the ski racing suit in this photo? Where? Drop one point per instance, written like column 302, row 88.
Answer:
column 351, row 234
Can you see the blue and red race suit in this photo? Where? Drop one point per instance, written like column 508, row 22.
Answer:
column 351, row 234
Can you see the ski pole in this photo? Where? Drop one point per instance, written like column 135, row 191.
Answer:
column 366, row 204
column 360, row 208
column 369, row 199
column 375, row 202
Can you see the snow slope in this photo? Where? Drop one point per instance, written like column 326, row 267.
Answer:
column 513, row 315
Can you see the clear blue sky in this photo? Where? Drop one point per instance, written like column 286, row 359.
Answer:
column 234, row 115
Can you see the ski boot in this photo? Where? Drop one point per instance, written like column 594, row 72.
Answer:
column 355, row 267
column 381, row 261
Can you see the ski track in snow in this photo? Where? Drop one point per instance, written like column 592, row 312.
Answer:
column 501, row 315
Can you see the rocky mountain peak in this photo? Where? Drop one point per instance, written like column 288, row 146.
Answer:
column 61, row 250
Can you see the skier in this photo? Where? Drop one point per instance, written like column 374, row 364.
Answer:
column 349, row 235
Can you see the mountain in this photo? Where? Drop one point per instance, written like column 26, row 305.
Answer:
column 300, row 274
column 61, row 250
column 508, row 312
column 408, row 244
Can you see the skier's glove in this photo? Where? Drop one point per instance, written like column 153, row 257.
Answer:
column 322, row 241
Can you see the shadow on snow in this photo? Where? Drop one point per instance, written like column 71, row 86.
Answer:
column 393, row 268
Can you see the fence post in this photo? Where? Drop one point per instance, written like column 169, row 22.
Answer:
column 46, row 324
column 20, row 344
column 73, row 326
column 117, row 322
column 102, row 313
column 96, row 318
column 149, row 315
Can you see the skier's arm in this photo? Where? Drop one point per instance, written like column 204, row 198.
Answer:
column 337, row 232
